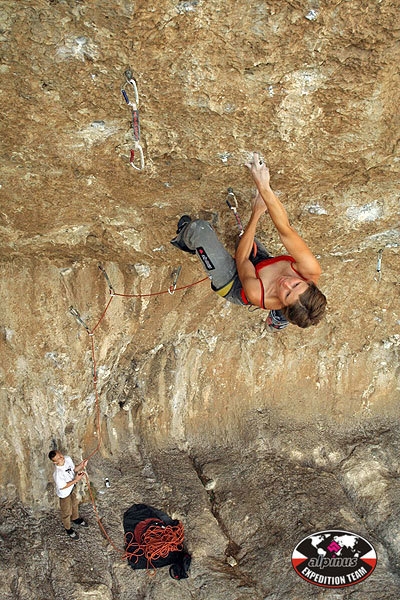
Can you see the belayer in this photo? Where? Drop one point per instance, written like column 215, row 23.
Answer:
column 154, row 540
column 285, row 285
column 66, row 475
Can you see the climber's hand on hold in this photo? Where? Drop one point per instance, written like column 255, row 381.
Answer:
column 260, row 172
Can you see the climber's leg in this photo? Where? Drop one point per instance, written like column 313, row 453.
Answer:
column 199, row 237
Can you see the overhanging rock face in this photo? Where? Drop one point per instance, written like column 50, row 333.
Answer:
column 315, row 89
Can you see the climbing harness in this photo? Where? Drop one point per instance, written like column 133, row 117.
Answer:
column 234, row 208
column 175, row 275
column 378, row 275
column 134, row 106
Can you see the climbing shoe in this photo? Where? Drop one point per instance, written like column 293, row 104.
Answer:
column 276, row 321
column 80, row 522
column 72, row 534
column 183, row 221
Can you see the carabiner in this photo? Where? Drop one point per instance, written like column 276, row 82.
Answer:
column 232, row 195
column 131, row 82
column 378, row 277
column 139, row 149
column 233, row 208
column 110, row 287
column 78, row 317
column 175, row 275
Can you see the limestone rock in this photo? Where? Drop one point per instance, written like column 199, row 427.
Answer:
column 254, row 440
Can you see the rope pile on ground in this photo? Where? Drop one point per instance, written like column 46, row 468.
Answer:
column 157, row 541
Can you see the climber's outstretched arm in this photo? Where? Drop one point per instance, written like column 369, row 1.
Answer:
column 306, row 263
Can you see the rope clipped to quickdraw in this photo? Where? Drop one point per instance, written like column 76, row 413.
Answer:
column 234, row 208
column 175, row 276
column 134, row 106
column 106, row 277
column 157, row 541
column 75, row 313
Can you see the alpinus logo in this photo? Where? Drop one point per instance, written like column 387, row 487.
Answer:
column 334, row 559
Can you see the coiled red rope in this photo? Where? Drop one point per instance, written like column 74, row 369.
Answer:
column 156, row 542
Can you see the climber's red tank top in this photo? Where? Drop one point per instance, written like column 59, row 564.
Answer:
column 265, row 263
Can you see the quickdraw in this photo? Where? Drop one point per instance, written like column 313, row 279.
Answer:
column 233, row 207
column 110, row 287
column 78, row 317
column 175, row 275
column 137, row 148
column 378, row 275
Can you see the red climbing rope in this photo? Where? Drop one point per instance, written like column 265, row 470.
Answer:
column 103, row 314
column 90, row 332
column 96, row 394
column 98, row 519
column 168, row 291
column 156, row 542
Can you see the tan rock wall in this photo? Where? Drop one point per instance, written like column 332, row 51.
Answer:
column 315, row 88
column 253, row 439
column 182, row 370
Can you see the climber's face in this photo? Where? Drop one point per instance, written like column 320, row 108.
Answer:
column 58, row 460
column 290, row 288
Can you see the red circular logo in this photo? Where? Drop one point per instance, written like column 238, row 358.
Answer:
column 334, row 559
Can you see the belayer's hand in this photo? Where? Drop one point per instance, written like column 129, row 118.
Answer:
column 260, row 171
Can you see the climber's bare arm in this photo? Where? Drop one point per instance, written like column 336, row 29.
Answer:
column 246, row 270
column 306, row 263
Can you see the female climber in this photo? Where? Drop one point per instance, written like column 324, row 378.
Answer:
column 285, row 285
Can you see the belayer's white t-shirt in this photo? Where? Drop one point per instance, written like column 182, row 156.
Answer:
column 63, row 475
